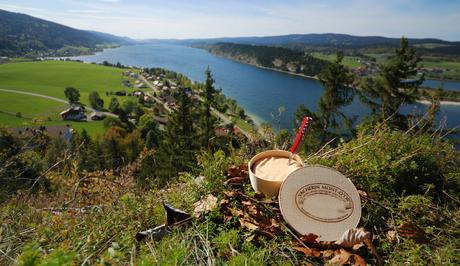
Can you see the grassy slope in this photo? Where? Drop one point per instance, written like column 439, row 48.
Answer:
column 349, row 61
column 50, row 78
column 379, row 163
column 41, row 107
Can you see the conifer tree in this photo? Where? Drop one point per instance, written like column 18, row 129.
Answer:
column 394, row 86
column 208, row 122
column 337, row 81
column 177, row 150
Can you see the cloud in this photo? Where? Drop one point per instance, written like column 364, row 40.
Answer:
column 20, row 8
column 210, row 18
column 86, row 11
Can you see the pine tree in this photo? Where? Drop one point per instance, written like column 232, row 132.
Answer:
column 177, row 150
column 337, row 81
column 96, row 101
column 114, row 105
column 392, row 88
column 208, row 122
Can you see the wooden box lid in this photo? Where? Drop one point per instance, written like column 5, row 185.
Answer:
column 320, row 200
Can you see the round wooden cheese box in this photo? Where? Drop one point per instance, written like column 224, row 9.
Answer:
column 319, row 200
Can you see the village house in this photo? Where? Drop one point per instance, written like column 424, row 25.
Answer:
column 74, row 112
column 141, row 85
column 97, row 116
column 120, row 93
column 138, row 93
column 126, row 83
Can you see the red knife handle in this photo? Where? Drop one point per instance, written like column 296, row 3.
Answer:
column 298, row 138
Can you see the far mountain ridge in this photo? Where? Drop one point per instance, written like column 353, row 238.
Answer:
column 330, row 41
column 309, row 38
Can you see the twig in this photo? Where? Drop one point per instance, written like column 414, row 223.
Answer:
column 450, row 131
column 66, row 157
column 447, row 194
column 7, row 256
column 324, row 146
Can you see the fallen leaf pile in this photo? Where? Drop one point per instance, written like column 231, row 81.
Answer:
column 262, row 218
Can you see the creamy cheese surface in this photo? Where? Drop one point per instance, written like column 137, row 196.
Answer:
column 275, row 168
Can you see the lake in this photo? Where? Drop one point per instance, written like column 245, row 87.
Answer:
column 259, row 91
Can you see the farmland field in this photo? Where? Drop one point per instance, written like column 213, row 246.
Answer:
column 50, row 78
column 30, row 106
column 349, row 61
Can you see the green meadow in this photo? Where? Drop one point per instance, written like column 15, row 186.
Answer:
column 30, row 106
column 51, row 78
column 349, row 61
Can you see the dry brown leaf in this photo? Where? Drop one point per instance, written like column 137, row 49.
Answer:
column 247, row 224
column 343, row 257
column 265, row 233
column 363, row 194
column 352, row 237
column 224, row 202
column 235, row 180
column 328, row 253
column 243, row 168
column 236, row 212
column 230, row 194
column 391, row 235
column 309, row 239
column 309, row 252
column 232, row 171
column 205, row 205
column 357, row 260
column 412, row 231
column 252, row 210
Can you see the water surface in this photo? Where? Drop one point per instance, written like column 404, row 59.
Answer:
column 259, row 91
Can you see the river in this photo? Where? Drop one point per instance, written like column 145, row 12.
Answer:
column 259, row 91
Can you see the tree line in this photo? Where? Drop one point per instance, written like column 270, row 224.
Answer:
column 272, row 57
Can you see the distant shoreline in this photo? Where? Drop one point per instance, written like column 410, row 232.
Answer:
column 425, row 102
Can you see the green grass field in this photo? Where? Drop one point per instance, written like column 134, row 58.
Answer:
column 349, row 61
column 30, row 106
column 50, row 78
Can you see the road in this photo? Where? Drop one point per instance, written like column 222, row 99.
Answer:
column 217, row 113
column 54, row 99
column 155, row 90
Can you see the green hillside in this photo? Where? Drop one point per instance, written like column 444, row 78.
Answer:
column 26, row 35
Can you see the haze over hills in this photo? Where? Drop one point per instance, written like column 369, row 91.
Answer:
column 22, row 34
column 328, row 41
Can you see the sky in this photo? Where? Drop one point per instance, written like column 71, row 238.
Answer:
column 183, row 19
